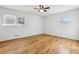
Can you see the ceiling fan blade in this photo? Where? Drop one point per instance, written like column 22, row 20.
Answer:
column 40, row 6
column 47, row 8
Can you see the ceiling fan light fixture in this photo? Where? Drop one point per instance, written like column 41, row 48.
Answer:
column 41, row 10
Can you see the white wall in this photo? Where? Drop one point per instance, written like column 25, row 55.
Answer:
column 33, row 25
column 53, row 26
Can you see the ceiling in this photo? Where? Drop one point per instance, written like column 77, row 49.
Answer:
column 30, row 8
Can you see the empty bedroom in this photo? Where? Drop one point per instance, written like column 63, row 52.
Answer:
column 39, row 29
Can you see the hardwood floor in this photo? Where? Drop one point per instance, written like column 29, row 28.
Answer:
column 40, row 44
